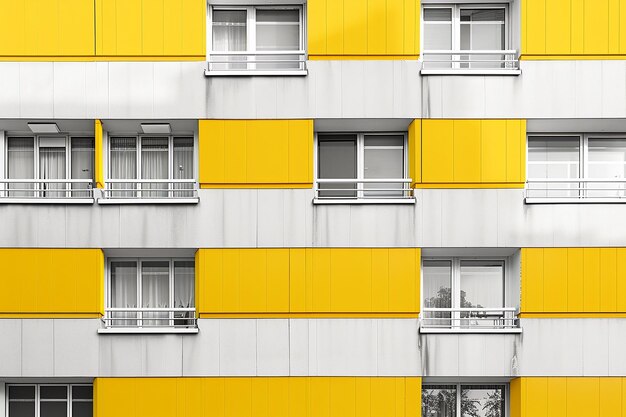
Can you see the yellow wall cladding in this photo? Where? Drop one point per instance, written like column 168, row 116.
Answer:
column 573, row 28
column 469, row 153
column 258, row 397
column 362, row 29
column 51, row 281
column 574, row 280
column 63, row 28
column 312, row 281
column 568, row 397
column 256, row 153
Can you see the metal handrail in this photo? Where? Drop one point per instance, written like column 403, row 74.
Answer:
column 223, row 61
column 19, row 189
column 577, row 188
column 138, row 320
column 469, row 59
column 360, row 191
column 136, row 188
column 499, row 318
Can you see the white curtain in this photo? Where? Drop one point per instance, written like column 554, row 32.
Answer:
column 229, row 34
column 183, row 164
column 154, row 164
column 52, row 166
column 123, row 165
column 184, row 283
column 278, row 30
column 124, row 290
column 21, row 164
column 155, row 290
column 82, row 164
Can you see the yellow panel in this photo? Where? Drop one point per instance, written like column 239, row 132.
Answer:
column 516, row 398
column 596, row 26
column 351, row 280
column 253, row 280
column 610, row 397
column 411, row 27
column 380, row 280
column 237, row 397
column 467, row 134
column 214, row 388
column 557, row 397
column 278, row 280
column 260, row 397
column 342, row 397
column 265, row 163
column 128, row 27
column 532, row 280
column 535, row 30
column 211, row 147
column 437, row 150
column 99, row 156
column 578, row 26
column 13, row 27
column 300, row 151
column 404, row 280
column 172, row 29
column 621, row 279
column 334, row 27
column 153, row 36
column 211, row 281
column 608, row 280
column 515, row 150
column 154, row 397
column 231, row 294
column 558, row 26
column 297, row 280
column 537, row 392
column 320, row 281
column 363, row 395
column 413, row 397
column 395, row 27
column 235, row 154
column 299, row 397
column 383, row 397
column 377, row 27
column 583, row 397
column 316, row 23
column 493, row 148
column 76, row 26
column 320, row 397
column 555, row 280
column 42, row 27
column 614, row 26
column 193, row 28
column 622, row 24
column 355, row 27
column 415, row 151
column 591, row 268
column 575, row 280
column 278, row 397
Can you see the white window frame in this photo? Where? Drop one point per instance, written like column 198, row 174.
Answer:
column 37, row 400
column 505, row 385
column 360, row 161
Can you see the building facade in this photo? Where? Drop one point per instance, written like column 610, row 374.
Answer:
column 313, row 208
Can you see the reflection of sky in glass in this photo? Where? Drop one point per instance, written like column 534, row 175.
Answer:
column 482, row 401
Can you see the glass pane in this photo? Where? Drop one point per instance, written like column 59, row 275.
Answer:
column 384, row 158
column 184, row 282
column 21, row 409
column 437, row 291
column 155, row 292
column 229, row 35
column 482, row 401
column 82, row 409
column 53, row 409
column 154, row 166
column 482, row 286
column 123, row 165
column 82, row 392
column 553, row 158
column 51, row 166
column 483, row 29
column 337, row 160
column 21, row 392
column 607, row 160
column 439, row 401
column 82, row 164
column 278, row 30
column 438, row 36
column 21, row 165
column 53, row 392
column 437, row 15
column 183, row 166
column 124, row 291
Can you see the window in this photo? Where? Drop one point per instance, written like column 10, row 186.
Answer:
column 576, row 167
column 44, row 162
column 467, row 37
column 256, row 39
column 50, row 400
column 151, row 293
column 151, row 167
column 374, row 164
column 464, row 400
column 464, row 293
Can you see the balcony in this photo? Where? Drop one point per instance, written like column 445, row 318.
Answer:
column 575, row 191
column 256, row 63
column 150, row 320
column 485, row 62
column 364, row 191
column 131, row 191
column 48, row 191
column 469, row 320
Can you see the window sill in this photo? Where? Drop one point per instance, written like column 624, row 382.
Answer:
column 512, row 72
column 118, row 201
column 323, row 201
column 426, row 330
column 10, row 200
column 543, row 200
column 157, row 330
column 251, row 73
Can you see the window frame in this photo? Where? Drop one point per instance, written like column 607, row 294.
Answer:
column 458, row 386
column 70, row 400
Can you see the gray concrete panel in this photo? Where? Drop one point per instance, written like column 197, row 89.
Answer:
column 76, row 348
column 11, row 347
column 38, row 348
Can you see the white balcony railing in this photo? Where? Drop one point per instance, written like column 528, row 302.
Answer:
column 568, row 190
column 150, row 191
column 379, row 190
column 46, row 191
column 497, row 62
column 469, row 320
column 256, row 63
column 150, row 320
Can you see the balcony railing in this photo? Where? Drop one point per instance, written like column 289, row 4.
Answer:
column 379, row 190
column 469, row 320
column 257, row 63
column 46, row 191
column 150, row 191
column 150, row 320
column 578, row 190
column 496, row 62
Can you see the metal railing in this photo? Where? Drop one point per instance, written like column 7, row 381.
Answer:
column 36, row 189
column 479, row 61
column 576, row 190
column 501, row 319
column 150, row 318
column 256, row 62
column 378, row 189
column 150, row 189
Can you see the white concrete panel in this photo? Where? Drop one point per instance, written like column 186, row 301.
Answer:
column 474, row 225
column 326, row 78
column 273, row 347
column 379, row 88
column 463, row 97
column 201, row 352
column 595, row 337
column 430, row 209
column 297, row 218
column 162, row 355
column 613, row 88
column 36, row 83
column 206, row 222
column 76, row 347
column 472, row 360
column 265, row 97
column 99, row 89
column 293, row 97
column 497, row 356
column 179, row 90
column 131, row 90
column 271, row 215
column 126, row 355
column 238, row 347
column 406, row 92
column 10, row 87
column 240, row 218
column 11, row 348
column 617, row 347
column 70, row 89
column 566, row 224
column 495, row 89
column 51, row 226
column 299, row 347
column 354, row 89
column 38, row 348
column 331, row 225
column 398, row 353
column 432, row 98
column 440, row 355
column 232, row 97
column 589, row 89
